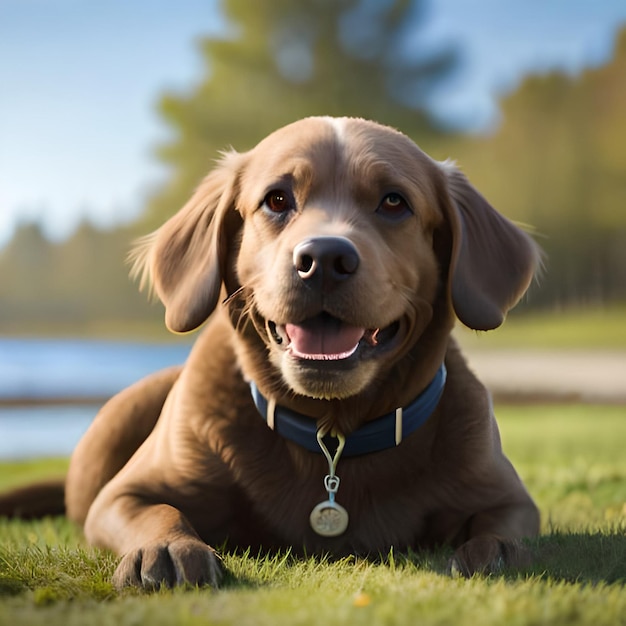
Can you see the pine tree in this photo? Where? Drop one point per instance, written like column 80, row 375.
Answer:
column 289, row 59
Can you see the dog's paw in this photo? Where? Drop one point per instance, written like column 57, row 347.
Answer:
column 182, row 561
column 487, row 555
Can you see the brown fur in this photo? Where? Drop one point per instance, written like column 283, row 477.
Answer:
column 182, row 459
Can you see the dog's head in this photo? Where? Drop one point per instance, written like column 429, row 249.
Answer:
column 340, row 236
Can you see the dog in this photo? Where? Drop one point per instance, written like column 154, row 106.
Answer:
column 325, row 407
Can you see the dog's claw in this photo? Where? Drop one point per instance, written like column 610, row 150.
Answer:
column 487, row 555
column 454, row 568
column 161, row 564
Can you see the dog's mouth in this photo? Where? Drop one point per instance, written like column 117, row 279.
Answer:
column 327, row 338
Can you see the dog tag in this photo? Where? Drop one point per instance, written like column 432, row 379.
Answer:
column 329, row 519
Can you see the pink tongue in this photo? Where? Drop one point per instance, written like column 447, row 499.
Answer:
column 323, row 338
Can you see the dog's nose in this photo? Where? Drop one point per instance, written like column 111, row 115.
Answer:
column 327, row 259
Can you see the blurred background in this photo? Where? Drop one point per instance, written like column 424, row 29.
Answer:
column 111, row 112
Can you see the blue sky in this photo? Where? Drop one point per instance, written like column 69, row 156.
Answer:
column 79, row 80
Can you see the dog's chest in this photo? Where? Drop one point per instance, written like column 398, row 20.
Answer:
column 276, row 484
column 384, row 507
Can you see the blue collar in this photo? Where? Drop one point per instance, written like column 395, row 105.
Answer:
column 382, row 433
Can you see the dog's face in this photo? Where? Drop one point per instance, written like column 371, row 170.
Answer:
column 336, row 250
column 327, row 230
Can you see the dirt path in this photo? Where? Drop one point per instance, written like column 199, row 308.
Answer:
column 584, row 376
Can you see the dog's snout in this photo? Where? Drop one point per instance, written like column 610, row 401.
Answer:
column 327, row 259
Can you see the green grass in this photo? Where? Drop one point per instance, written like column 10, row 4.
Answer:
column 571, row 458
column 571, row 329
column 23, row 472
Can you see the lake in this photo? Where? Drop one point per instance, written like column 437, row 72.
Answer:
column 37, row 377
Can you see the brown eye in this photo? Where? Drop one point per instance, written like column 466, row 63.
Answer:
column 277, row 201
column 394, row 207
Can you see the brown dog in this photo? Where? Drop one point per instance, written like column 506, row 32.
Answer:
column 343, row 254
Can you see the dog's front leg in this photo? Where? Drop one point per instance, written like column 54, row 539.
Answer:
column 158, row 545
column 494, row 540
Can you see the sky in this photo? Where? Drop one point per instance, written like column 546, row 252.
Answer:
column 80, row 79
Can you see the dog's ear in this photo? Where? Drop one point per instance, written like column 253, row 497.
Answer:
column 492, row 261
column 185, row 260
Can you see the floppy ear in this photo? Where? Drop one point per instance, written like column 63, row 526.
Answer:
column 186, row 259
column 492, row 261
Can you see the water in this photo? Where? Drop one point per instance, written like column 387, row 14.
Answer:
column 42, row 370
column 42, row 431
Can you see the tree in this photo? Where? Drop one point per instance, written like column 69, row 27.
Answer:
column 558, row 162
column 289, row 60
column 71, row 285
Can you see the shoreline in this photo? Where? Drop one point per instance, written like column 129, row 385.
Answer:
column 513, row 376
column 43, row 401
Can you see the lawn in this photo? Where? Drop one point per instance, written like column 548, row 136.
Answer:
column 571, row 458
column 570, row 329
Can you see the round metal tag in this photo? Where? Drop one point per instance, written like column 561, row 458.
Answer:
column 329, row 519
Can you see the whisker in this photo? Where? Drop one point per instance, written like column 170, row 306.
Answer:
column 232, row 296
column 244, row 298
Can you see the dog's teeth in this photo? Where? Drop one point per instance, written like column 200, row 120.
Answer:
column 278, row 333
column 323, row 338
column 282, row 333
column 373, row 338
column 322, row 357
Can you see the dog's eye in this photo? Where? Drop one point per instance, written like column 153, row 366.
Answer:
column 394, row 207
column 277, row 201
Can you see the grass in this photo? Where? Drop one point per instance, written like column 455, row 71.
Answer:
column 570, row 329
column 571, row 458
column 23, row 472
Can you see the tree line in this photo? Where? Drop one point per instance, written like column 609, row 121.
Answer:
column 557, row 161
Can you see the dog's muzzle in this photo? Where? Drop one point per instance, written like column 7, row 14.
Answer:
column 324, row 264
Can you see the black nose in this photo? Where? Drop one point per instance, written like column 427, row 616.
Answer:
column 326, row 259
